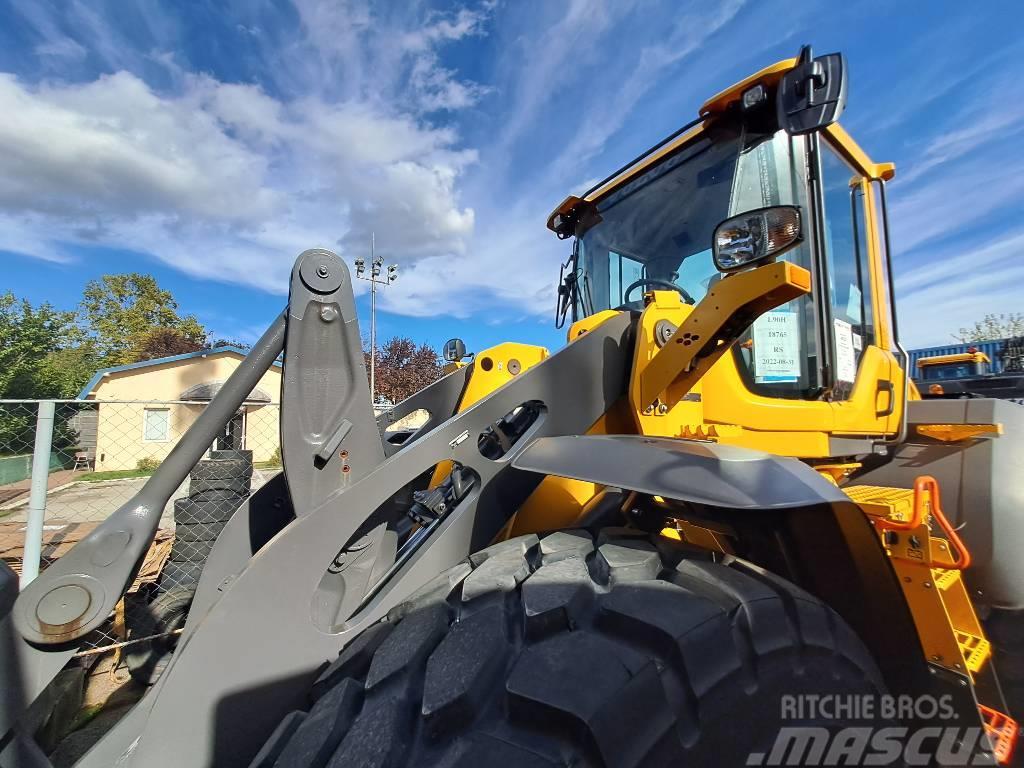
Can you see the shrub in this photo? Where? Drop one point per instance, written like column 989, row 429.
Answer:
column 148, row 464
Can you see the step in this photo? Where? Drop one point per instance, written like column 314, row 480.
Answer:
column 944, row 578
column 1002, row 731
column 976, row 650
column 880, row 501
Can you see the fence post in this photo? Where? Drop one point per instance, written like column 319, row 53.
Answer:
column 37, row 495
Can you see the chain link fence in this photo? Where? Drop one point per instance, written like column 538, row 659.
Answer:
column 70, row 464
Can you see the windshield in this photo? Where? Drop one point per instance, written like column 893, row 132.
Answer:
column 655, row 233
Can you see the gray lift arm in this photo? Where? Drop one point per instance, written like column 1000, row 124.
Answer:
column 326, row 410
column 77, row 593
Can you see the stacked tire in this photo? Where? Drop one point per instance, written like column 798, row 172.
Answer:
column 217, row 487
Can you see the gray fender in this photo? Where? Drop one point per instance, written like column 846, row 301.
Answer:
column 700, row 473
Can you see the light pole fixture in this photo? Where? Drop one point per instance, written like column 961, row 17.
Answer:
column 374, row 279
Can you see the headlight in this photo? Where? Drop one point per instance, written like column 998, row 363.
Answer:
column 756, row 235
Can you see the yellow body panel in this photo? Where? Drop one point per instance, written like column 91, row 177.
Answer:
column 687, row 356
column 496, row 366
column 588, row 323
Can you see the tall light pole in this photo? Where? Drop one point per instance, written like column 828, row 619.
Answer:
column 375, row 279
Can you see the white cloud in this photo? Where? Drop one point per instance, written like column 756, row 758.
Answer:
column 231, row 180
column 953, row 288
column 222, row 180
column 61, row 47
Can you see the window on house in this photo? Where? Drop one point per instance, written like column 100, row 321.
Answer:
column 156, row 425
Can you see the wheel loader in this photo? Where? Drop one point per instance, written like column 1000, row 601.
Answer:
column 712, row 530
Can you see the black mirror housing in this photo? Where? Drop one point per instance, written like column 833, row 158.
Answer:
column 454, row 350
column 812, row 95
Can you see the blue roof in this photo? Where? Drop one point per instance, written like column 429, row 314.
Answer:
column 98, row 376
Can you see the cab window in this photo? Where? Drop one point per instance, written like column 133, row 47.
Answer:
column 847, row 267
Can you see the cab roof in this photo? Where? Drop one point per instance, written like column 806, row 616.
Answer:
column 716, row 105
column 960, row 357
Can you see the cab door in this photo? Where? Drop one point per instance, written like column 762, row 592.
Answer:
column 866, row 393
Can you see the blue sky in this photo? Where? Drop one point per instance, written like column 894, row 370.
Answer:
column 209, row 143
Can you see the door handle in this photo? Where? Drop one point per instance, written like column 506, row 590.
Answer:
column 884, row 385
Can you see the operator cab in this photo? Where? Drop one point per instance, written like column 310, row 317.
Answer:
column 655, row 233
column 767, row 142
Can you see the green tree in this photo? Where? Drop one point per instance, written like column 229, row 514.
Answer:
column 992, row 326
column 27, row 336
column 120, row 311
column 38, row 359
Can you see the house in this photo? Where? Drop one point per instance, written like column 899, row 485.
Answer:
column 144, row 408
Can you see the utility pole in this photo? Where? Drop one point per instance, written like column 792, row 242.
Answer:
column 375, row 279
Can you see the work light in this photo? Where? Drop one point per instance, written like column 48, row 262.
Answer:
column 756, row 235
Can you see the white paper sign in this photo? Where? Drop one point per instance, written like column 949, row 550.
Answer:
column 777, row 347
column 846, row 357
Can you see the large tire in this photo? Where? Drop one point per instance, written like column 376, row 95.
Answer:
column 560, row 652
column 165, row 614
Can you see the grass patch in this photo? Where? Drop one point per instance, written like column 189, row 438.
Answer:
column 114, row 474
column 272, row 464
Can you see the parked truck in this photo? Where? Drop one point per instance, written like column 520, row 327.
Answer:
column 981, row 369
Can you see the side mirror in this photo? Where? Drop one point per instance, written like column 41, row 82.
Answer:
column 755, row 236
column 454, row 350
column 812, row 95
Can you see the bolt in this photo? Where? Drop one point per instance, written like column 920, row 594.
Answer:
column 328, row 314
column 323, row 271
column 927, row 585
column 648, row 410
column 662, row 409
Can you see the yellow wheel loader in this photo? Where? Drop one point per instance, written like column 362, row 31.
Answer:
column 712, row 530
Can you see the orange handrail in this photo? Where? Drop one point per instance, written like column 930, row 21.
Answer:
column 926, row 487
